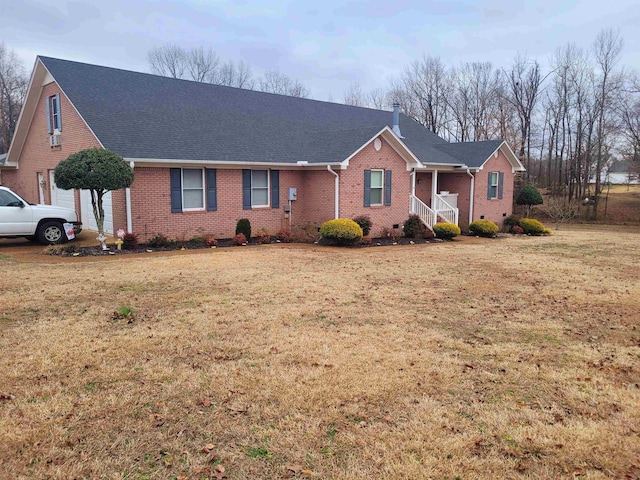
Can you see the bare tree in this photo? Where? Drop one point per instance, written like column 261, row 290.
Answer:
column 523, row 82
column 607, row 48
column 200, row 65
column 276, row 82
column 237, row 75
column 168, row 60
column 379, row 99
column 628, row 106
column 13, row 88
column 428, row 83
column 355, row 96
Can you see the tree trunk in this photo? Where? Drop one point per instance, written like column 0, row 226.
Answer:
column 98, row 213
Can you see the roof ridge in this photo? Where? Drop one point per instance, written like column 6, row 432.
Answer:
column 164, row 77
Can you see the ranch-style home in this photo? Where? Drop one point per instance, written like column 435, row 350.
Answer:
column 206, row 155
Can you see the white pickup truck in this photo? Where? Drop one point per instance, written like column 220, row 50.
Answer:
column 43, row 223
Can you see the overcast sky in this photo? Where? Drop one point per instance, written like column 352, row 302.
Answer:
column 327, row 44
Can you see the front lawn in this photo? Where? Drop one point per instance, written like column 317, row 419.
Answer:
column 510, row 358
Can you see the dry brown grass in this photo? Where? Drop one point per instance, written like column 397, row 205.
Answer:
column 512, row 358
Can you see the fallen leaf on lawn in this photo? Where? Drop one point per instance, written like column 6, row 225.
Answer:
column 182, row 476
column 208, row 447
column 238, row 408
column 6, row 396
column 273, row 350
column 206, row 402
column 307, row 472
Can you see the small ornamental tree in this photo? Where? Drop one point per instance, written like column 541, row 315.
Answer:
column 99, row 171
column 529, row 196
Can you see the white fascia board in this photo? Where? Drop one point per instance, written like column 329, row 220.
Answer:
column 390, row 136
column 511, row 157
column 166, row 162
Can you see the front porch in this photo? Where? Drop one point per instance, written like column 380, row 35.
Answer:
column 441, row 196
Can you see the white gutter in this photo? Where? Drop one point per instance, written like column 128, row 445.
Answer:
column 222, row 163
column 471, row 192
column 337, row 190
column 127, row 194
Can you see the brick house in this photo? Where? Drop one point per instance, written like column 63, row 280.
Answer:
column 206, row 155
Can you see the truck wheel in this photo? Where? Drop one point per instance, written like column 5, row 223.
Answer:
column 51, row 233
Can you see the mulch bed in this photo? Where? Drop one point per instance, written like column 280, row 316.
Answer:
column 72, row 250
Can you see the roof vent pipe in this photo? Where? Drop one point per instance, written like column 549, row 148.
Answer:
column 396, row 120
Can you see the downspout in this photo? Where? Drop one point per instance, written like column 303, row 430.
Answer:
column 127, row 194
column 413, row 182
column 471, row 192
column 337, row 190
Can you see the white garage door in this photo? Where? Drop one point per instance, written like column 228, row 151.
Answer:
column 89, row 220
column 61, row 198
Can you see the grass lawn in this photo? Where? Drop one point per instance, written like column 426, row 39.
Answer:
column 510, row 358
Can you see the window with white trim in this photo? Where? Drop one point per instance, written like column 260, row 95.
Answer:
column 259, row 188
column 192, row 189
column 377, row 187
column 493, row 184
column 54, row 109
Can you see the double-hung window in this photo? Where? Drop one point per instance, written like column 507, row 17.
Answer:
column 494, row 179
column 377, row 186
column 192, row 189
column 259, row 188
column 54, row 116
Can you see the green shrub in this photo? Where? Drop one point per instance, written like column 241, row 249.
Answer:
column 531, row 226
column 483, row 228
column 365, row 223
column 244, row 226
column 196, row 242
column 341, row 231
column 413, row 227
column 446, row 230
column 547, row 231
column 529, row 196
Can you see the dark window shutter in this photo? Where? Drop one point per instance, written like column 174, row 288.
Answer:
column 49, row 127
column 489, row 187
column 59, row 111
column 367, row 188
column 176, row 190
column 500, row 184
column 387, row 188
column 246, row 189
column 212, row 197
column 275, row 188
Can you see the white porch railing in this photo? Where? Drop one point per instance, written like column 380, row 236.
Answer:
column 423, row 211
column 444, row 210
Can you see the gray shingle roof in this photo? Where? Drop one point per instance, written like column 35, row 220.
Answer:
column 140, row 115
column 472, row 154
